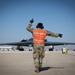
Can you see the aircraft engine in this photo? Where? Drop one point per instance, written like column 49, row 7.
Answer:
column 51, row 48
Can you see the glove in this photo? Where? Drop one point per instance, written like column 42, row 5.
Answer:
column 31, row 21
column 60, row 35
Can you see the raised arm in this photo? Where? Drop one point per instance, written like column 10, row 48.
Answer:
column 49, row 33
column 29, row 26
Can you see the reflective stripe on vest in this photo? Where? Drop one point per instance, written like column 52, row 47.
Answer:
column 39, row 36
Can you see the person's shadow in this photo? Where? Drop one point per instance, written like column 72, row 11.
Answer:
column 44, row 68
column 47, row 68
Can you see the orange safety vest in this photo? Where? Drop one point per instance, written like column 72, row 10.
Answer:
column 39, row 36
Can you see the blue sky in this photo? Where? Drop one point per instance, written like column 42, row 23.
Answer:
column 56, row 15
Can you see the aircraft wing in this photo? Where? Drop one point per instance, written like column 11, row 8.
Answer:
column 58, row 43
column 19, row 43
column 30, row 43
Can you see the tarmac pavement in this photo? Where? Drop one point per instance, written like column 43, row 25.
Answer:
column 21, row 63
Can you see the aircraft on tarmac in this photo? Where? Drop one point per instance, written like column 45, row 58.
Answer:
column 29, row 43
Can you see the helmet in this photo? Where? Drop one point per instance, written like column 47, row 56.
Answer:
column 40, row 25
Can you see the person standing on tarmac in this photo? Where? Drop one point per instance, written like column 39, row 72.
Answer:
column 39, row 34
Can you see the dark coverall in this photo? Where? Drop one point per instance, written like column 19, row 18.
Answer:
column 38, row 49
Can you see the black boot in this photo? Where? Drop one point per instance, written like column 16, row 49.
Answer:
column 39, row 69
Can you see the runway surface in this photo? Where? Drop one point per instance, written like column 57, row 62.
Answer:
column 21, row 63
